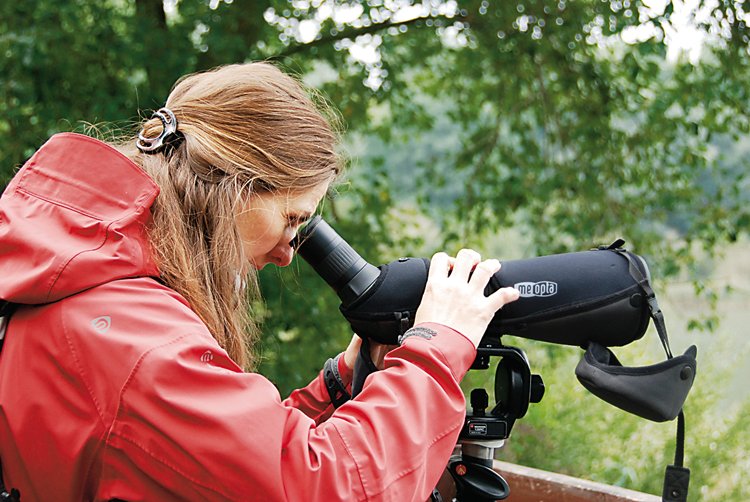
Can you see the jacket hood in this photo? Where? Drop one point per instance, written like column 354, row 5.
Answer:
column 72, row 218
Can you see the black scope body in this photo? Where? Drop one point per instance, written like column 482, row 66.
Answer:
column 568, row 299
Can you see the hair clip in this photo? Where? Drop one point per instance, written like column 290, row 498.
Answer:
column 168, row 136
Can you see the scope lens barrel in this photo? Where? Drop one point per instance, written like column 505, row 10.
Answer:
column 335, row 260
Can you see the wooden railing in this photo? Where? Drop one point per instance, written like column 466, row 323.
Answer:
column 534, row 485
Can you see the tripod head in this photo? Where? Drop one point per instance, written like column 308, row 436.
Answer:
column 483, row 432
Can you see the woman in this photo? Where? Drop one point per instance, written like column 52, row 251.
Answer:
column 122, row 373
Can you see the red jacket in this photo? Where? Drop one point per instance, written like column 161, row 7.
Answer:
column 112, row 387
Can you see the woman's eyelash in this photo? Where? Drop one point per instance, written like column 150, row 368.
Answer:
column 297, row 220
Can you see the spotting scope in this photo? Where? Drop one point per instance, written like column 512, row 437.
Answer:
column 569, row 299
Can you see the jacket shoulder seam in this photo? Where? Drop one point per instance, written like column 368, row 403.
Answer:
column 80, row 367
column 97, row 406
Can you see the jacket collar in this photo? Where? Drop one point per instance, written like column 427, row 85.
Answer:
column 73, row 217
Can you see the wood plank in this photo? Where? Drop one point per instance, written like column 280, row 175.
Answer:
column 534, row 485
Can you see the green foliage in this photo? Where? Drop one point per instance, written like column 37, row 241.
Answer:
column 518, row 128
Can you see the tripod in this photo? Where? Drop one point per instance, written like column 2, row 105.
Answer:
column 483, row 433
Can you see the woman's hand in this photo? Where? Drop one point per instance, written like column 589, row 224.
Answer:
column 352, row 351
column 453, row 299
column 377, row 352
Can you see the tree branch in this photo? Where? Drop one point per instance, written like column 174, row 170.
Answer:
column 353, row 32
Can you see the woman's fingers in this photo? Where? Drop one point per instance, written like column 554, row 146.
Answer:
column 457, row 300
column 483, row 272
column 502, row 297
column 466, row 260
column 440, row 266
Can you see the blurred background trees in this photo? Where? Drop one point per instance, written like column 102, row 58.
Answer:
column 518, row 128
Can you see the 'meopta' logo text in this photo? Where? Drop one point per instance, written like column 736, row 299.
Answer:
column 541, row 288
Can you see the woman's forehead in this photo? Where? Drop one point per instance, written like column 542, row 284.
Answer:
column 294, row 201
column 309, row 198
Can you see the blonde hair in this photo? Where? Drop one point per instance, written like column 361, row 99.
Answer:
column 247, row 128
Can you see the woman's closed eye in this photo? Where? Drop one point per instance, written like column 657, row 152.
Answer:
column 297, row 220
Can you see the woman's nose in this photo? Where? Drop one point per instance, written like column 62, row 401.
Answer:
column 282, row 254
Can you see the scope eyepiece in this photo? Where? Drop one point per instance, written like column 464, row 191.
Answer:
column 335, row 260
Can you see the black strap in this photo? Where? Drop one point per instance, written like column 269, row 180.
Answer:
column 334, row 383
column 13, row 496
column 679, row 453
column 676, row 477
column 653, row 305
column 363, row 367
column 6, row 309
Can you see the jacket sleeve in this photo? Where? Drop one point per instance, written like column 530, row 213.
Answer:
column 192, row 428
column 314, row 400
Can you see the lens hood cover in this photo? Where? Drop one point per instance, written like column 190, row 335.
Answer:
column 656, row 392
